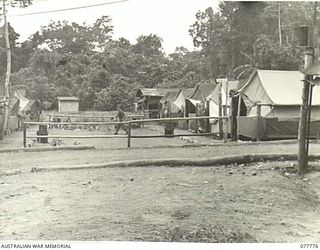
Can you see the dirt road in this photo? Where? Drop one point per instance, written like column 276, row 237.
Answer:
column 160, row 204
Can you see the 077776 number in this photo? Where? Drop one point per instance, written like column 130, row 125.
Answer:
column 309, row 246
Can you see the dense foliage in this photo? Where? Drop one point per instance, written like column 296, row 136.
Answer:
column 66, row 59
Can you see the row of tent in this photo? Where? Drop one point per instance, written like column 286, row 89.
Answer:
column 184, row 102
column 265, row 106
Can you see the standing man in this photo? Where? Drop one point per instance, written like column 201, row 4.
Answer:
column 120, row 117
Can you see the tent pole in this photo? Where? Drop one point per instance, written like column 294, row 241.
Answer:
column 238, row 114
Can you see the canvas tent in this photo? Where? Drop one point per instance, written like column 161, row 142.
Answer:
column 168, row 107
column 149, row 100
column 213, row 101
column 198, row 96
column 213, row 98
column 27, row 107
column 278, row 93
column 196, row 105
column 14, row 113
column 14, row 106
column 177, row 100
column 180, row 100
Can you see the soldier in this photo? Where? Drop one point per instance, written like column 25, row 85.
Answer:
column 120, row 117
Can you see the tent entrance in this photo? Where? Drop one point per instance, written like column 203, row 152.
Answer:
column 238, row 108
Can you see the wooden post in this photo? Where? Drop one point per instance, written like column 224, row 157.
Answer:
column 309, row 119
column 225, row 134
column 220, row 111
column 303, row 122
column 197, row 121
column 238, row 114
column 233, row 122
column 239, row 105
column 129, row 134
column 50, row 120
column 226, row 103
column 207, row 121
column 302, row 157
column 258, row 119
column 24, row 135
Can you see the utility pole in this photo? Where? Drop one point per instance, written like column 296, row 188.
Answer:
column 305, row 110
column 315, row 54
column 7, row 80
column 302, row 153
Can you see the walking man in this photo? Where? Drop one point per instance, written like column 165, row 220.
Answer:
column 120, row 118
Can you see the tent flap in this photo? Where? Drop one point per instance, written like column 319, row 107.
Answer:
column 251, row 127
column 272, row 128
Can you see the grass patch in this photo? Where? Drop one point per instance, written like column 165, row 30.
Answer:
column 206, row 234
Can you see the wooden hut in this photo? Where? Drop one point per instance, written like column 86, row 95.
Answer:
column 68, row 104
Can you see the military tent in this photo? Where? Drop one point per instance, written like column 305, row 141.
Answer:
column 27, row 107
column 196, row 105
column 272, row 102
column 213, row 101
column 177, row 100
column 213, row 98
column 198, row 96
column 180, row 100
column 168, row 107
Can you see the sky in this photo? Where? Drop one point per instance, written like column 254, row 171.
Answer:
column 169, row 19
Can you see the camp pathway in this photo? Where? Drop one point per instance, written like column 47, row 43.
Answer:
column 15, row 139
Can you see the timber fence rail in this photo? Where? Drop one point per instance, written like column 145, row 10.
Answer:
column 86, row 116
column 129, row 136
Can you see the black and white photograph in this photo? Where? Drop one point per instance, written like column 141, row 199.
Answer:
column 159, row 121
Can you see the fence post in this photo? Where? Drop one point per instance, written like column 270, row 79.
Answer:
column 129, row 134
column 225, row 129
column 238, row 115
column 258, row 121
column 220, row 111
column 24, row 135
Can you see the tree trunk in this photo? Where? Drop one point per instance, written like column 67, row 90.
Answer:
column 279, row 23
column 7, row 80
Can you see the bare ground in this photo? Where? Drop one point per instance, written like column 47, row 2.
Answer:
column 158, row 203
column 249, row 203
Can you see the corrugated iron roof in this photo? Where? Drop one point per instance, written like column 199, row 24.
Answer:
column 162, row 92
column 155, row 91
column 150, row 92
column 68, row 98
